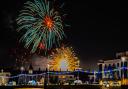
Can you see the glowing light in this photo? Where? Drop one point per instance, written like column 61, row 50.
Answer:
column 64, row 65
column 123, row 59
column 107, row 85
column 48, row 22
column 63, row 59
column 41, row 46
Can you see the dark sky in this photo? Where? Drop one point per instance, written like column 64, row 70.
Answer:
column 98, row 29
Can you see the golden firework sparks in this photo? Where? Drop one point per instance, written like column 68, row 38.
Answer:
column 64, row 59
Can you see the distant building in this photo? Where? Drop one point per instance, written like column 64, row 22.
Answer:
column 114, row 69
column 3, row 80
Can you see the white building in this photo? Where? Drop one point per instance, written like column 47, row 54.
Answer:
column 115, row 68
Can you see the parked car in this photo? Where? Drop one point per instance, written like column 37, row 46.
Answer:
column 77, row 82
column 32, row 82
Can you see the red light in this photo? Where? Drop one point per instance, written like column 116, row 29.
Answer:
column 48, row 22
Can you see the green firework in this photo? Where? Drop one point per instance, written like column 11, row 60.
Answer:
column 41, row 24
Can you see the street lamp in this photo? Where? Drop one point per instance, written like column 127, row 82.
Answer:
column 48, row 72
column 123, row 60
column 94, row 77
column 21, row 69
column 78, row 68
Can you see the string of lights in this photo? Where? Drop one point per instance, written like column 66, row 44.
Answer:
column 64, row 72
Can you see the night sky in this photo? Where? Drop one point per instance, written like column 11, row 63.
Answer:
column 98, row 29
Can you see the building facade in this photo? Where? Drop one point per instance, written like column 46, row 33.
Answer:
column 115, row 68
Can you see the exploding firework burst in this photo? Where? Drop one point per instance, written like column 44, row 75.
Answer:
column 64, row 59
column 41, row 24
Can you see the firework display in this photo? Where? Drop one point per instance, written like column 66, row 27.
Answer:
column 63, row 59
column 41, row 25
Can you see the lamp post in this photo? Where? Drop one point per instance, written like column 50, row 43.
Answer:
column 48, row 73
column 123, row 60
column 22, row 69
column 94, row 77
column 78, row 68
column 21, row 80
